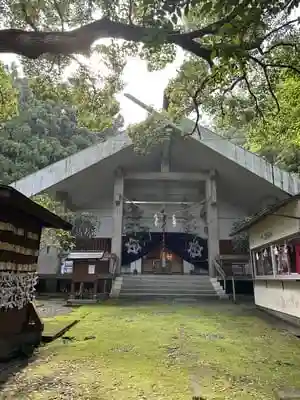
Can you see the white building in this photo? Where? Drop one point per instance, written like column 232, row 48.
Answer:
column 274, row 238
column 221, row 182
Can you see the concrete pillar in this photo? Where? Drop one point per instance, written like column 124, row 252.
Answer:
column 212, row 221
column 116, row 242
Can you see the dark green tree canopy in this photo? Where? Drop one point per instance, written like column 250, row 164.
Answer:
column 233, row 39
column 52, row 122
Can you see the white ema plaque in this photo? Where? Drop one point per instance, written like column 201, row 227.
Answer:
column 91, row 270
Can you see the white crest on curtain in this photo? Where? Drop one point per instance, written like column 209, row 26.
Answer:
column 195, row 249
column 133, row 246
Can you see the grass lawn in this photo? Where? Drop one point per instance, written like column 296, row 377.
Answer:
column 158, row 351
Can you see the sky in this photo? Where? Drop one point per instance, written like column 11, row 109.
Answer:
column 139, row 82
column 146, row 86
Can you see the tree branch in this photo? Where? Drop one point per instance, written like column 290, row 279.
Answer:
column 280, row 44
column 130, row 12
column 258, row 110
column 214, row 27
column 279, row 28
column 197, row 105
column 265, row 71
column 229, row 89
column 27, row 18
column 34, row 44
column 284, row 66
column 61, row 17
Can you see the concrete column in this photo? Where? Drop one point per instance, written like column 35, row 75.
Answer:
column 212, row 221
column 116, row 242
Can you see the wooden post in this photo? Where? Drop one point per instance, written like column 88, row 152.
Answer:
column 233, row 289
column 72, row 294
column 95, row 289
column 81, row 288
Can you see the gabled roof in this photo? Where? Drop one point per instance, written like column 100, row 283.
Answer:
column 64, row 169
column 264, row 213
column 286, row 181
column 46, row 177
column 10, row 197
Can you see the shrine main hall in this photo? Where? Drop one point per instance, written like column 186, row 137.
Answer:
column 171, row 211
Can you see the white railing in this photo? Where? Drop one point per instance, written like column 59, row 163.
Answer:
column 115, row 262
column 220, row 272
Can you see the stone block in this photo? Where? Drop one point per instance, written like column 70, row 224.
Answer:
column 288, row 394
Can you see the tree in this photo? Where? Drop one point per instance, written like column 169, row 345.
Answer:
column 9, row 103
column 95, row 107
column 63, row 240
column 240, row 241
column 278, row 136
column 83, row 225
column 233, row 39
column 48, row 127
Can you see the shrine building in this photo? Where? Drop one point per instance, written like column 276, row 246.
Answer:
column 168, row 215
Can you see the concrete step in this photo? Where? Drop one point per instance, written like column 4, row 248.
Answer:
column 145, row 294
column 167, row 284
column 164, row 281
column 154, row 276
column 169, row 290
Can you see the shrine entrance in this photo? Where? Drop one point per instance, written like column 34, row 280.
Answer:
column 167, row 253
column 152, row 263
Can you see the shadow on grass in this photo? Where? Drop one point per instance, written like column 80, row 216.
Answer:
column 10, row 368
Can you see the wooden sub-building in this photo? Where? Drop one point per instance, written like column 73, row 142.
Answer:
column 21, row 223
column 91, row 274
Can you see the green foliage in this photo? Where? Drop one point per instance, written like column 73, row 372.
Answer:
column 153, row 131
column 236, row 46
column 59, row 238
column 47, row 129
column 278, row 137
column 9, row 103
column 239, row 34
column 240, row 241
column 84, row 225
column 94, row 107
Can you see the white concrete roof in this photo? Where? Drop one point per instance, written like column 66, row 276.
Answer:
column 68, row 167
column 284, row 180
column 43, row 179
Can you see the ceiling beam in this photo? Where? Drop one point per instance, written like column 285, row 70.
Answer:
column 168, row 176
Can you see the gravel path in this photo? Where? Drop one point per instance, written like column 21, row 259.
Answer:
column 52, row 308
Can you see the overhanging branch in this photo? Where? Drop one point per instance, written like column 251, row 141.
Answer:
column 34, row 44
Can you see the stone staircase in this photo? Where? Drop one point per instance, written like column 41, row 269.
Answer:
column 167, row 286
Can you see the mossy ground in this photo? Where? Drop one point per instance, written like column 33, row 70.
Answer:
column 160, row 351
